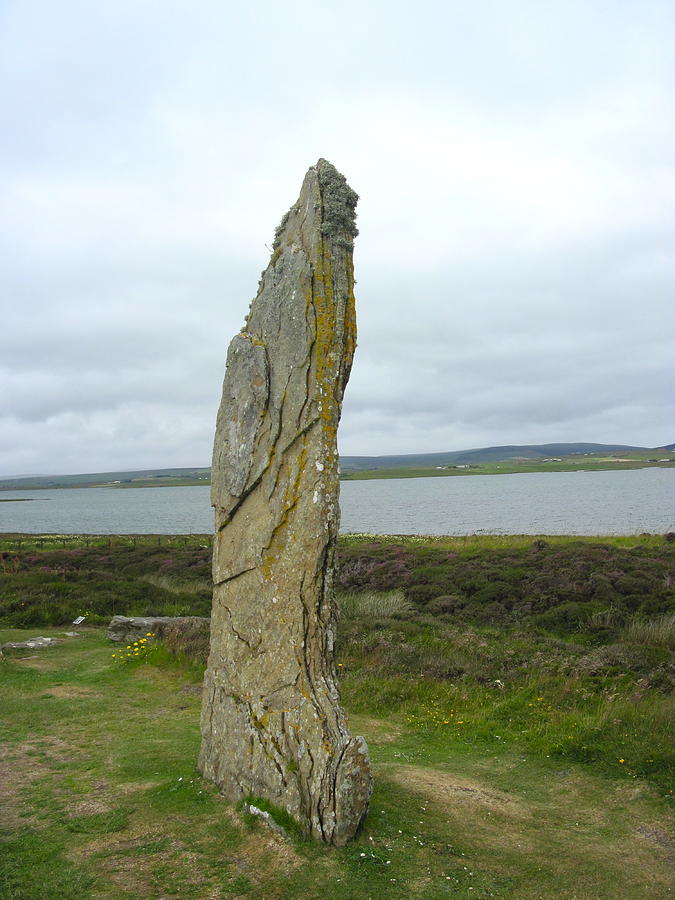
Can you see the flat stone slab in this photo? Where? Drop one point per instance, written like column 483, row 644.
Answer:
column 130, row 628
column 36, row 643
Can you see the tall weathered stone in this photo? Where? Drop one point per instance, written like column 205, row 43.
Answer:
column 272, row 724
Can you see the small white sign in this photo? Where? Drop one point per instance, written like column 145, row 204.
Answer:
column 79, row 620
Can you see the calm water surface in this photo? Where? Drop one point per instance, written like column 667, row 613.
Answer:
column 534, row 503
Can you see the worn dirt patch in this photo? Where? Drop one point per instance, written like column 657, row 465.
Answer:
column 20, row 766
column 88, row 807
column 34, row 662
column 453, row 790
column 576, row 835
column 631, row 791
column 119, row 864
column 491, row 817
column 135, row 787
column 72, row 692
column 656, row 836
column 374, row 729
column 125, row 862
column 261, row 850
column 271, row 852
column 15, row 772
column 196, row 689
column 56, row 749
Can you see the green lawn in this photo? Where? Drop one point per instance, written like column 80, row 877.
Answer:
column 101, row 798
column 516, row 694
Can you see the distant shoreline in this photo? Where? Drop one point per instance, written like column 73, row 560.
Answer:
column 508, row 467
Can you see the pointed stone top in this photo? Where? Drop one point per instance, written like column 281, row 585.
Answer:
column 272, row 723
column 336, row 200
column 339, row 201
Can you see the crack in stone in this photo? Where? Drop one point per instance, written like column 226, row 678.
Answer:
column 281, row 530
column 250, row 646
column 233, row 577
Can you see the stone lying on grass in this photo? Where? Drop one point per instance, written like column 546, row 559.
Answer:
column 125, row 628
column 36, row 643
column 266, row 818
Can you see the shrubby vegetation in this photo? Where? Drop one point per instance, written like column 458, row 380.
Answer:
column 562, row 586
column 516, row 695
column 588, row 588
column 561, row 646
column 135, row 577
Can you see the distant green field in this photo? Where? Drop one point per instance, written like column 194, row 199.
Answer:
column 576, row 463
column 486, row 461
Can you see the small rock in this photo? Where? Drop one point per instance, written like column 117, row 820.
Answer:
column 267, row 819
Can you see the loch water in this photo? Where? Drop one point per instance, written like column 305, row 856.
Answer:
column 589, row 503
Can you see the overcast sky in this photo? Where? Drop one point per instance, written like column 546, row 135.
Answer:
column 515, row 266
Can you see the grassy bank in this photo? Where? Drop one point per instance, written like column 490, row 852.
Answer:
column 515, row 468
column 516, row 695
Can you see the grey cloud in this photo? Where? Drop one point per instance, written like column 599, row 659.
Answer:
column 515, row 273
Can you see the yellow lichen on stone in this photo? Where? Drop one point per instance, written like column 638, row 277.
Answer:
column 272, row 624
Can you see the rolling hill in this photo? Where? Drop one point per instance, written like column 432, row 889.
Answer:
column 515, row 456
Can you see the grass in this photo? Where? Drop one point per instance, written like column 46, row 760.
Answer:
column 374, row 604
column 15, row 541
column 520, row 749
column 658, row 632
column 610, row 707
column 179, row 585
column 116, row 809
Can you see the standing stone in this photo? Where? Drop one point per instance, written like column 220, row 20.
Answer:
column 272, row 724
